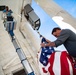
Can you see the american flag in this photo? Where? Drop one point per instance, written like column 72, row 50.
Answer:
column 58, row 63
column 45, row 52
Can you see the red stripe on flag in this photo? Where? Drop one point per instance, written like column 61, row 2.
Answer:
column 72, row 64
column 64, row 64
column 51, row 61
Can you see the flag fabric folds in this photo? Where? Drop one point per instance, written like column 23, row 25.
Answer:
column 45, row 52
column 59, row 64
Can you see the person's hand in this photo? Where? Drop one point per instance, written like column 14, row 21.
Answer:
column 43, row 44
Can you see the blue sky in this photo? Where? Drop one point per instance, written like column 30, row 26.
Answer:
column 47, row 24
column 68, row 5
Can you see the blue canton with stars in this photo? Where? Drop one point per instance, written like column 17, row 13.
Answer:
column 45, row 52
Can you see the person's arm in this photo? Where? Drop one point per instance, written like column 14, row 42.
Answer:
column 4, row 11
column 10, row 11
column 49, row 43
column 60, row 40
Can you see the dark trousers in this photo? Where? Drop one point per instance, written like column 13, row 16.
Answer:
column 9, row 18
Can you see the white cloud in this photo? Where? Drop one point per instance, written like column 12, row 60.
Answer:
column 62, row 24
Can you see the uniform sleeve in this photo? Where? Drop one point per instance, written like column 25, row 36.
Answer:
column 4, row 11
column 10, row 11
column 64, row 35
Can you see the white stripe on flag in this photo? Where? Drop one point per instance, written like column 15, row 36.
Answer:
column 56, row 65
column 70, row 67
